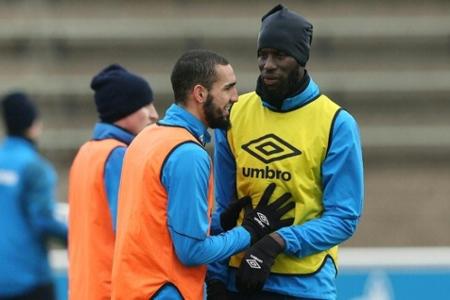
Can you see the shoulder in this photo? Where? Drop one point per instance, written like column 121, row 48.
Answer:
column 345, row 121
column 247, row 98
column 40, row 168
column 187, row 161
column 117, row 153
column 342, row 118
column 189, row 152
column 245, row 102
column 248, row 95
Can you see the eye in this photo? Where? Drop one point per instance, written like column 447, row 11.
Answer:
column 262, row 55
column 281, row 55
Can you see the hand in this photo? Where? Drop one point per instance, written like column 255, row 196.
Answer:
column 266, row 218
column 229, row 217
column 255, row 266
column 216, row 290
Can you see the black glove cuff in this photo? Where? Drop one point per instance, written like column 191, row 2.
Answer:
column 269, row 246
column 225, row 224
column 254, row 234
column 216, row 289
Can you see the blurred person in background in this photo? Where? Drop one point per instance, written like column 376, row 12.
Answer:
column 287, row 132
column 166, row 192
column 27, row 200
column 124, row 103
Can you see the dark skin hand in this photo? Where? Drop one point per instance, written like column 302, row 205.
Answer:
column 278, row 238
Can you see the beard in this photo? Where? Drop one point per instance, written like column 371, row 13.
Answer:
column 284, row 90
column 214, row 115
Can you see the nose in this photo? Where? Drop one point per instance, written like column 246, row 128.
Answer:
column 268, row 63
column 234, row 95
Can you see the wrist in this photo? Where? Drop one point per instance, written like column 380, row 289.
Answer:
column 270, row 245
column 252, row 233
column 279, row 239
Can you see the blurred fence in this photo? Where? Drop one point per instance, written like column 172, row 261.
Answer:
column 364, row 274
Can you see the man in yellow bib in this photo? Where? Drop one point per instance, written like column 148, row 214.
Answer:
column 288, row 133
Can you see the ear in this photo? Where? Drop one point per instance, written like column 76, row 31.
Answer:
column 199, row 93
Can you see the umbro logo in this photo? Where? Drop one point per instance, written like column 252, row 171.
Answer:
column 254, row 262
column 270, row 148
column 263, row 218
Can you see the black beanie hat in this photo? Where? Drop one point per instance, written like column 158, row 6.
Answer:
column 287, row 31
column 19, row 113
column 119, row 93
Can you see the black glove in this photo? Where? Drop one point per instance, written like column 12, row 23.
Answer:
column 266, row 218
column 229, row 217
column 216, row 290
column 256, row 264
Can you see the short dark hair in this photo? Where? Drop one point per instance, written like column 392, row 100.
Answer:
column 192, row 68
column 19, row 113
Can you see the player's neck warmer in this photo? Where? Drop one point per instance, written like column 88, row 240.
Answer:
column 276, row 99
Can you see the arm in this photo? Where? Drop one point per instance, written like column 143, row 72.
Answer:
column 224, row 178
column 40, row 182
column 193, row 252
column 111, row 179
column 343, row 189
column 225, row 190
column 186, row 177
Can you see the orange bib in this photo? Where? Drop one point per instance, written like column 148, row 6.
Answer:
column 145, row 258
column 91, row 236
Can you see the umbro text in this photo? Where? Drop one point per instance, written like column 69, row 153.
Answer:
column 266, row 173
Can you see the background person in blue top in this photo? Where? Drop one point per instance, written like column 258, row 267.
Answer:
column 323, row 170
column 27, row 217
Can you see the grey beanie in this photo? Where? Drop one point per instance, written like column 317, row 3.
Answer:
column 287, row 31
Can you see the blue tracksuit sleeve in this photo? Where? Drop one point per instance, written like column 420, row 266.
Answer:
column 193, row 252
column 40, row 180
column 343, row 189
column 225, row 177
column 113, row 171
column 225, row 191
column 185, row 176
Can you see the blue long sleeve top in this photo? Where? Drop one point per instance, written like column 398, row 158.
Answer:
column 113, row 165
column 27, row 217
column 343, row 188
column 185, row 176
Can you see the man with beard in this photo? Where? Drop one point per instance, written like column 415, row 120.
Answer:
column 288, row 133
column 166, row 192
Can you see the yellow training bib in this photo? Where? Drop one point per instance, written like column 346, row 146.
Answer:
column 286, row 148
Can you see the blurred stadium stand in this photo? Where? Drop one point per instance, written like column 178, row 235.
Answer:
column 387, row 62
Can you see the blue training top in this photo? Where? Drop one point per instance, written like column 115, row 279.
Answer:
column 27, row 217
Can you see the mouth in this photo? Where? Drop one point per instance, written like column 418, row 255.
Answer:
column 226, row 109
column 270, row 80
